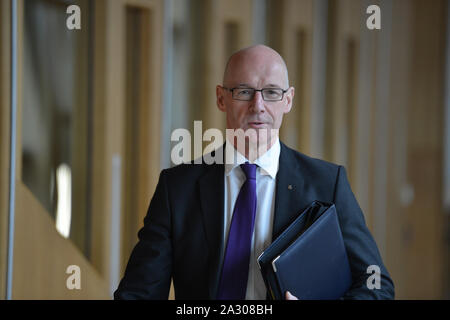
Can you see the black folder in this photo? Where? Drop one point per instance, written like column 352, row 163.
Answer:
column 308, row 259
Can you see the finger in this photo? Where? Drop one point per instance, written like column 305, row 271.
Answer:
column 290, row 296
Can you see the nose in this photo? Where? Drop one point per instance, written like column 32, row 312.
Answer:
column 258, row 102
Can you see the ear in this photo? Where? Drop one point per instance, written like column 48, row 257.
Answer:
column 220, row 98
column 289, row 99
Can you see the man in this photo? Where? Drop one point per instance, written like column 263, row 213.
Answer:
column 207, row 224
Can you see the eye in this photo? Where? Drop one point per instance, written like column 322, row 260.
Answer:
column 272, row 92
column 244, row 92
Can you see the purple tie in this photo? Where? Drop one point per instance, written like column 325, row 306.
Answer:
column 233, row 282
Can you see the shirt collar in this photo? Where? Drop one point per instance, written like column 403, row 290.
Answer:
column 268, row 162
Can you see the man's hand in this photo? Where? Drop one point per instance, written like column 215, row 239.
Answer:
column 290, row 296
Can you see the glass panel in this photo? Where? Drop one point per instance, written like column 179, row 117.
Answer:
column 55, row 115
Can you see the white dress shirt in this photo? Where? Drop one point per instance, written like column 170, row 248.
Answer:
column 265, row 193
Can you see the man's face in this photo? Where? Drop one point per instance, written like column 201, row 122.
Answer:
column 257, row 69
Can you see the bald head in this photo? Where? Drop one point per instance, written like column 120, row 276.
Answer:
column 250, row 60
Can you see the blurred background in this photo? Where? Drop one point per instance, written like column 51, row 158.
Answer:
column 95, row 109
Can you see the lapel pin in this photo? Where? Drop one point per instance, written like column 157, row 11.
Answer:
column 290, row 187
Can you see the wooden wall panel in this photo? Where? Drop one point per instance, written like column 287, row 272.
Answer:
column 382, row 121
column 100, row 218
column 150, row 112
column 5, row 73
column 291, row 34
column 362, row 174
column 342, row 107
column 415, row 220
column 397, row 171
column 42, row 255
column 423, row 226
column 37, row 243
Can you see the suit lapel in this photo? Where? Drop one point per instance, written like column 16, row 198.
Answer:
column 289, row 191
column 211, row 186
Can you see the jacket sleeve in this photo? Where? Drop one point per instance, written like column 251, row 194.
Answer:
column 149, row 269
column 361, row 248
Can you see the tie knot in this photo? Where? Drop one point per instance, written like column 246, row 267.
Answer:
column 249, row 170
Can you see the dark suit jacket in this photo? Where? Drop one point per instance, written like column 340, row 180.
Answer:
column 182, row 235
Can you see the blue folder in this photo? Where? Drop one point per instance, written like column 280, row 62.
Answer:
column 309, row 258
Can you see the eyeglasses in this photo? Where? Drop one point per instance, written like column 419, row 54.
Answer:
column 247, row 94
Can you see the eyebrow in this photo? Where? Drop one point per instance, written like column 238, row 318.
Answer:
column 270, row 85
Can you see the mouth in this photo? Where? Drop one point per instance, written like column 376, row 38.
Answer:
column 257, row 124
